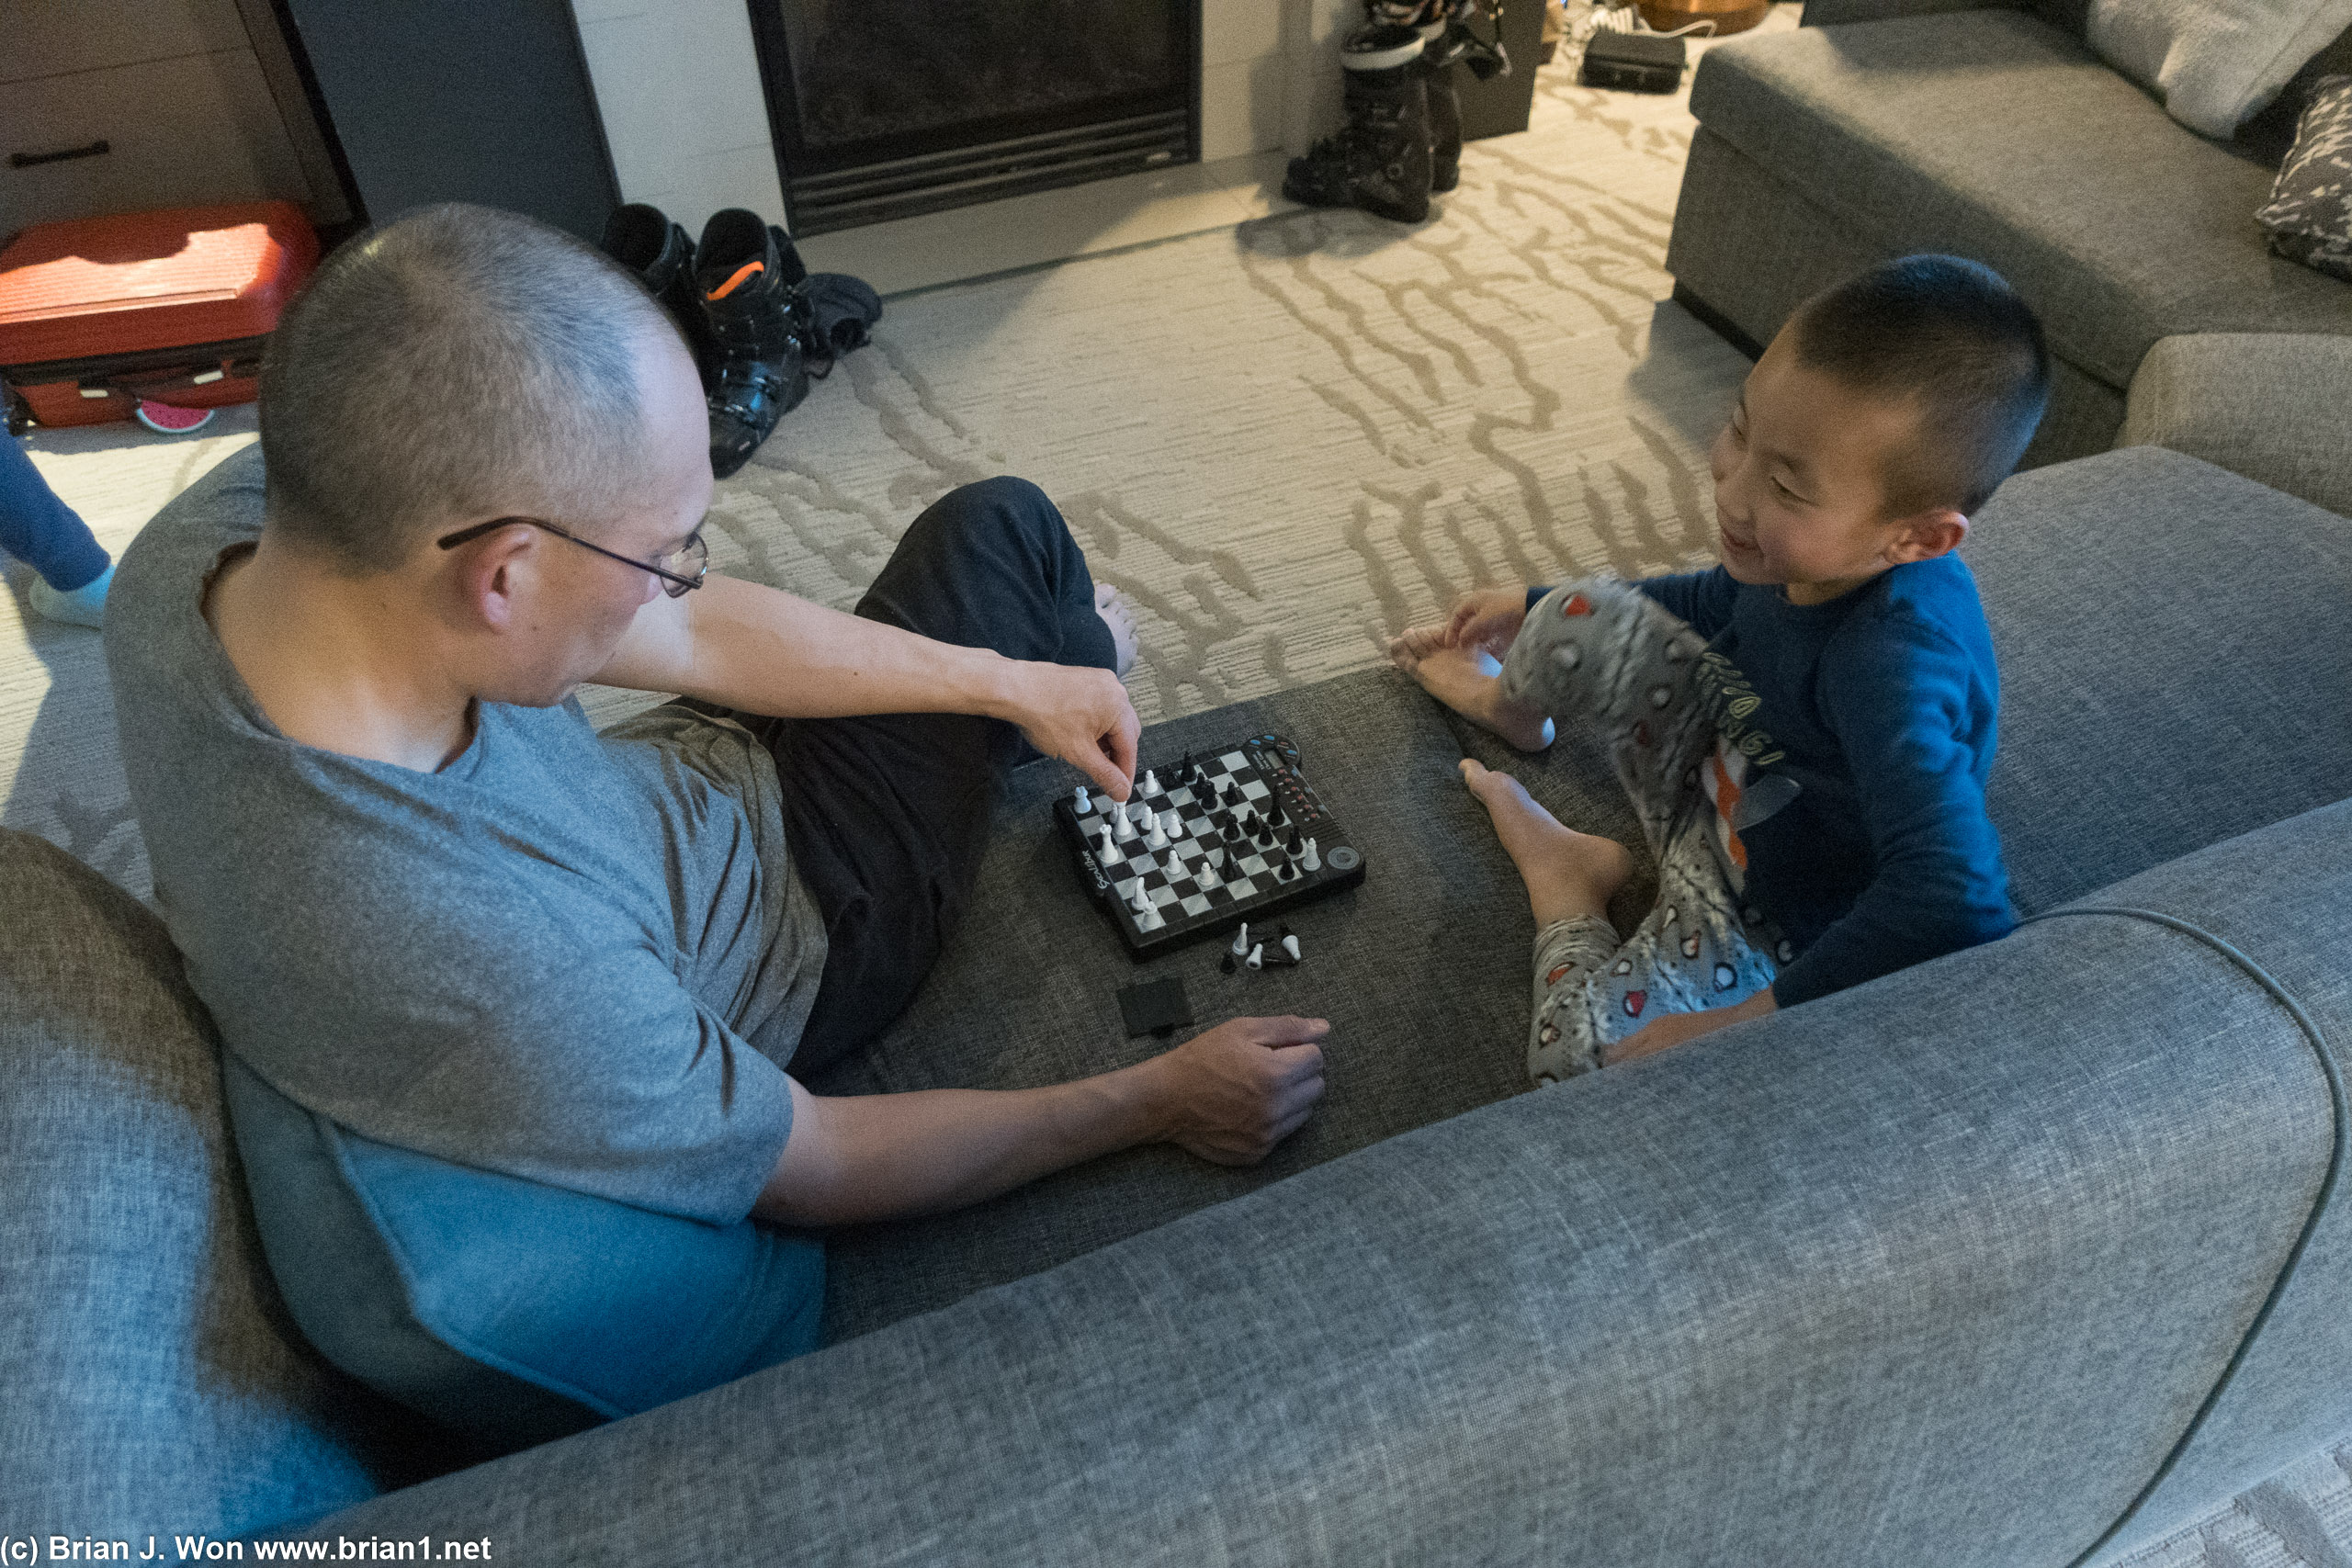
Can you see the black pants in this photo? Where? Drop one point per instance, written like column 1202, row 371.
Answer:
column 886, row 816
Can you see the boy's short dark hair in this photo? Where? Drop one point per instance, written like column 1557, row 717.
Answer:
column 1953, row 336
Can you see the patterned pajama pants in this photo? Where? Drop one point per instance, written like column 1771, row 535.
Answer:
column 1606, row 658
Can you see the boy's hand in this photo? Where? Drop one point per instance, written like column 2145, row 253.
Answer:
column 1488, row 619
column 1675, row 1027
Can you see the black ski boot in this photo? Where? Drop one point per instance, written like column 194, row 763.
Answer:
column 1445, row 117
column 643, row 240
column 747, row 280
column 1380, row 158
column 1446, row 39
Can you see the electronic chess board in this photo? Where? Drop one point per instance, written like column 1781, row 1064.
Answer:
column 1208, row 843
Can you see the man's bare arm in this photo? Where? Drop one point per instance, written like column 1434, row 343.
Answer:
column 745, row 645
column 1229, row 1094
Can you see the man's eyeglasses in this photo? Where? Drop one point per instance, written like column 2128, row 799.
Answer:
column 681, row 570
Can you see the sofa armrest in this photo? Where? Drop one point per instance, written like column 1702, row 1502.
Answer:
column 1837, row 13
column 2266, row 405
column 1809, row 1289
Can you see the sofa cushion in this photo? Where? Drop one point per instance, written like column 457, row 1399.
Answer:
column 1990, row 134
column 2213, row 63
column 1421, row 970
column 150, row 1380
column 2266, row 405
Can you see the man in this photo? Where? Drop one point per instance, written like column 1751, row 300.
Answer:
column 423, row 899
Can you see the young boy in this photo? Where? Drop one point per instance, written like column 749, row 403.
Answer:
column 1806, row 730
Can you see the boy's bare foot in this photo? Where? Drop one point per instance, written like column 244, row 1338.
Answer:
column 1467, row 681
column 1567, row 874
column 1120, row 616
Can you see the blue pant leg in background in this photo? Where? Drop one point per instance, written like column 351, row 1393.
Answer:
column 42, row 531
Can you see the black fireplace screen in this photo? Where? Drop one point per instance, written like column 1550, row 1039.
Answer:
column 883, row 108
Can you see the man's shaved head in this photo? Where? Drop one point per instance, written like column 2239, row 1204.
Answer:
column 456, row 365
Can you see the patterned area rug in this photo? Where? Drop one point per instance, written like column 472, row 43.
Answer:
column 1284, row 441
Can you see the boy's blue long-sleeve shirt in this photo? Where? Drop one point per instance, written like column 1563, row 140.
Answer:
column 1882, row 706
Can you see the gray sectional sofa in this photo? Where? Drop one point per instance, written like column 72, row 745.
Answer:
column 2029, row 1254
column 1992, row 131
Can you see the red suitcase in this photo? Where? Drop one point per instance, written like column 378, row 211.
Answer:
column 170, row 309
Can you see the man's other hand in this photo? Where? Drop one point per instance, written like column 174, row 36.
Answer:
column 1487, row 620
column 1081, row 715
column 1231, row 1094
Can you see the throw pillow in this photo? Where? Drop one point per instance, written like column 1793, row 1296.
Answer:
column 2213, row 63
column 513, row 1311
column 2310, row 214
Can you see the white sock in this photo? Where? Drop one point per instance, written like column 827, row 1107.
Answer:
column 83, row 607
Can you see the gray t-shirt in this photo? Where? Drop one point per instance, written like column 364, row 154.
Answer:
column 579, row 958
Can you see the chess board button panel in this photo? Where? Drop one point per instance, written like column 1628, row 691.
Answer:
column 1257, row 777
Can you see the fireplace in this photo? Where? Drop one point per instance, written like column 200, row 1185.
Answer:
column 886, row 108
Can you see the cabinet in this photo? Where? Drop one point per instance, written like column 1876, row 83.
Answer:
column 137, row 104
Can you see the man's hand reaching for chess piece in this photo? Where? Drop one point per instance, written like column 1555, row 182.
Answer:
column 1228, row 1094
column 1075, row 714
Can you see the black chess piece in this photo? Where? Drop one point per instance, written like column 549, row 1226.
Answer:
column 1294, row 844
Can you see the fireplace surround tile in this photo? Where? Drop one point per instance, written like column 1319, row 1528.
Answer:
column 1241, row 107
column 1236, row 31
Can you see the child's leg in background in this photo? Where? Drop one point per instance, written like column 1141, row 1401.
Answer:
column 1605, row 660
column 1698, row 948
column 42, row 531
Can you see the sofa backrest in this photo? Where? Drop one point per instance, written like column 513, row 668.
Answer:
column 2173, row 653
column 150, row 1378
column 2282, row 898
column 2265, row 136
column 1935, row 1270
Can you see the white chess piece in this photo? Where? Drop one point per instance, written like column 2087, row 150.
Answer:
column 1207, row 876
column 1084, row 804
column 1138, row 810
column 1110, row 852
column 1290, row 946
column 1241, row 940
column 1125, row 827
column 1150, row 783
column 1313, row 859
column 1140, row 902
column 1258, row 956
column 1174, row 868
column 1158, row 839
column 1172, row 823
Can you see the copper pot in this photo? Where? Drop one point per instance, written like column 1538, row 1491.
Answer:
column 1729, row 16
